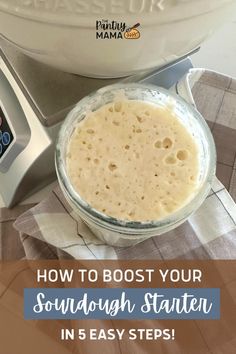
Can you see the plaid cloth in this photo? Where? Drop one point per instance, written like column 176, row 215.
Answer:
column 51, row 229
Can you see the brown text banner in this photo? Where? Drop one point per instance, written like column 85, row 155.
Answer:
column 18, row 335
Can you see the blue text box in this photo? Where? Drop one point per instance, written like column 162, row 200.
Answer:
column 122, row 303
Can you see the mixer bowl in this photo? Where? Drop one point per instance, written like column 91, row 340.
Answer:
column 96, row 37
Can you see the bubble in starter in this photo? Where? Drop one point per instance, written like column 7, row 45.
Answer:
column 158, row 144
column 118, row 106
column 167, row 143
column 90, row 131
column 170, row 160
column 182, row 155
column 112, row 166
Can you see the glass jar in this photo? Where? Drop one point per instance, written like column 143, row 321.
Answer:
column 126, row 233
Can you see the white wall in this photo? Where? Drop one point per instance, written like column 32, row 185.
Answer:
column 219, row 52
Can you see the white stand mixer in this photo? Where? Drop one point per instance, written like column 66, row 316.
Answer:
column 72, row 36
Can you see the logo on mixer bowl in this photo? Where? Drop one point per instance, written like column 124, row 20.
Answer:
column 106, row 29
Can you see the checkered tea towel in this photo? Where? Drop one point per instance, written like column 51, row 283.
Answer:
column 209, row 234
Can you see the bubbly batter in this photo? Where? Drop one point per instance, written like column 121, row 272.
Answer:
column 133, row 160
